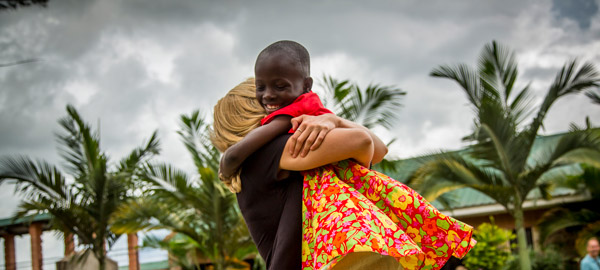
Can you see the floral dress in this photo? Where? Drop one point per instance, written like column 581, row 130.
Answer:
column 351, row 210
column 356, row 218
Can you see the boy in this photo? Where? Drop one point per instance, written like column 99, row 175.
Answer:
column 283, row 89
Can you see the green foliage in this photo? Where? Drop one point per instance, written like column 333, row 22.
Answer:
column 375, row 106
column 585, row 221
column 87, row 206
column 492, row 249
column 182, row 249
column 498, row 163
column 199, row 208
column 547, row 260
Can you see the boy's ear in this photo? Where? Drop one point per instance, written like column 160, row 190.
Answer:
column 308, row 82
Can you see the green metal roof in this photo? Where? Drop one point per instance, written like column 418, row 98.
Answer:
column 467, row 197
column 9, row 221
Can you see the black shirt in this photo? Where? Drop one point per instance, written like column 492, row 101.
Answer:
column 272, row 208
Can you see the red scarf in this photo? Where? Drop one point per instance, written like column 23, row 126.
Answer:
column 307, row 103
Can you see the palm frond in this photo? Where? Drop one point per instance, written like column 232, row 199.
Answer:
column 335, row 93
column 466, row 77
column 35, row 179
column 449, row 171
column 520, row 107
column 501, row 154
column 80, row 145
column 8, row 5
column 498, row 71
column 140, row 155
column 570, row 79
column 156, row 212
column 590, row 178
column 375, row 106
column 64, row 215
column 558, row 219
column 594, row 96
column 194, row 132
column 578, row 146
column 170, row 181
column 381, row 106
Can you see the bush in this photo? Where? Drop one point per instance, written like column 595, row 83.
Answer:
column 547, row 260
column 492, row 250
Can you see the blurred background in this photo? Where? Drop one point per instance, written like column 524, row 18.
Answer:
column 132, row 67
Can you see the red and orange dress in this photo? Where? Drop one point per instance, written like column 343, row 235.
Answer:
column 354, row 216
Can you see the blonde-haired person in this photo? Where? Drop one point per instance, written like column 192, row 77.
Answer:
column 235, row 116
column 352, row 217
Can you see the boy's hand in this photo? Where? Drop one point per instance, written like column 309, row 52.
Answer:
column 222, row 176
column 310, row 132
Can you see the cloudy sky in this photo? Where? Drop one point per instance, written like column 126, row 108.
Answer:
column 132, row 67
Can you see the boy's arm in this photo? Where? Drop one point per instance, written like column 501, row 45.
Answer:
column 236, row 154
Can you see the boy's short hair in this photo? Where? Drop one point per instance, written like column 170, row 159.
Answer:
column 292, row 49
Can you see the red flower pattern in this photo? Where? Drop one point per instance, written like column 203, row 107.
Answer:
column 349, row 208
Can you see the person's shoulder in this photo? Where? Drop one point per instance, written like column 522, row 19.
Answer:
column 587, row 261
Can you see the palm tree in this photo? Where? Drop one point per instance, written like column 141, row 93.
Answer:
column 86, row 205
column 375, row 106
column 498, row 163
column 204, row 210
column 587, row 221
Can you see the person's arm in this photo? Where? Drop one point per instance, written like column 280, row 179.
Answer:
column 340, row 143
column 314, row 131
column 379, row 148
column 235, row 155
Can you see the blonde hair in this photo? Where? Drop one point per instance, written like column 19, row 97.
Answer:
column 236, row 114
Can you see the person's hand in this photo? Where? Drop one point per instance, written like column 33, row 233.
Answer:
column 310, row 132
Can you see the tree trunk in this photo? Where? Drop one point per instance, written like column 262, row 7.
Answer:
column 100, row 253
column 524, row 261
column 220, row 263
column 102, row 263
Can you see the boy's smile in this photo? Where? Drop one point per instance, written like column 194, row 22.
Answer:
column 279, row 81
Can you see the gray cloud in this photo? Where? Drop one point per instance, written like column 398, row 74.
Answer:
column 580, row 11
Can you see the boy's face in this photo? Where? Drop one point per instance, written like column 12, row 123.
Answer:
column 279, row 81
